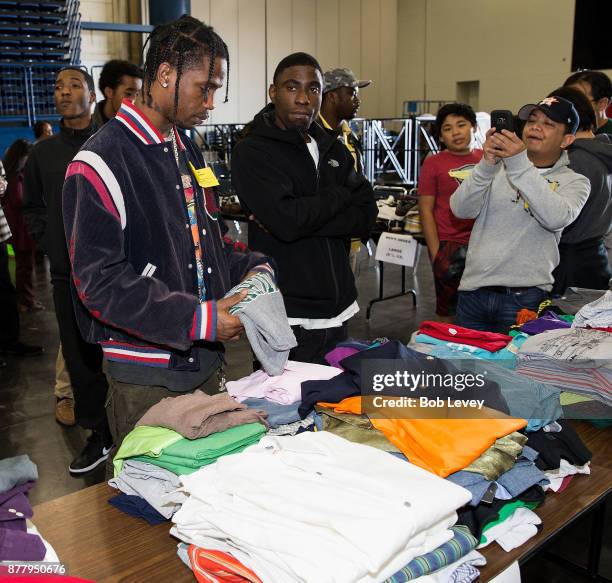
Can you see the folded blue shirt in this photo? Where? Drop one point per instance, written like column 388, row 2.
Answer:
column 277, row 414
column 137, row 507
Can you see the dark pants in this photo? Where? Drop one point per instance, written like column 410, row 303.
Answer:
column 448, row 266
column 495, row 311
column 24, row 276
column 583, row 264
column 9, row 316
column 313, row 345
column 83, row 361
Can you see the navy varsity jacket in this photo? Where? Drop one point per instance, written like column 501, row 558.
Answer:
column 132, row 251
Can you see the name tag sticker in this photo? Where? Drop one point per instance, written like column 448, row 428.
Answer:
column 205, row 176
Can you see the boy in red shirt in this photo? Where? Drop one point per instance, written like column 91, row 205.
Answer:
column 447, row 236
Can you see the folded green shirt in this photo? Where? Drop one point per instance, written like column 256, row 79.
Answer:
column 185, row 456
column 181, row 455
column 144, row 440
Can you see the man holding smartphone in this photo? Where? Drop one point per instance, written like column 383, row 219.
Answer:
column 522, row 195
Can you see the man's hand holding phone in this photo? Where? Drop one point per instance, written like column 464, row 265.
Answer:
column 506, row 144
column 501, row 140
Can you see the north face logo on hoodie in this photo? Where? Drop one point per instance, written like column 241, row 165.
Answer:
column 333, row 163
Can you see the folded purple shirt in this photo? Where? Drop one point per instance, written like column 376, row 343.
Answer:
column 548, row 321
column 20, row 546
column 334, row 357
column 15, row 507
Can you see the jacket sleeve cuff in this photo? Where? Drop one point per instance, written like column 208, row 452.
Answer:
column 265, row 268
column 204, row 325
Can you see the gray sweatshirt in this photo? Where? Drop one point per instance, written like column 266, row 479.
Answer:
column 592, row 157
column 520, row 212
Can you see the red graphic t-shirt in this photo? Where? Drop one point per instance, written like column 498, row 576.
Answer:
column 440, row 176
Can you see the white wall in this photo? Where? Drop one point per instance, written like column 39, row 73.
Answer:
column 411, row 49
column 519, row 51
column 361, row 34
column 97, row 47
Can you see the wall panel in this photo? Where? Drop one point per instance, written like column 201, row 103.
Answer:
column 328, row 42
column 387, row 77
column 224, row 18
column 304, row 26
column 250, row 73
column 349, row 33
column 279, row 42
column 371, row 56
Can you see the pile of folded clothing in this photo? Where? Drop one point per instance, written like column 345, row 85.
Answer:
column 575, row 298
column 19, row 538
column 578, row 360
column 301, row 508
column 280, row 395
column 537, row 402
column 597, row 314
column 489, row 456
column 178, row 436
column 562, row 454
column 501, row 510
column 491, row 346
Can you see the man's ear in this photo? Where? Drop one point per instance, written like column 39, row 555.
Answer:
column 568, row 140
column 108, row 93
column 602, row 104
column 165, row 76
column 92, row 97
column 272, row 92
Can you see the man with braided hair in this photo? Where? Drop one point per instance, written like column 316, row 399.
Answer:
column 149, row 260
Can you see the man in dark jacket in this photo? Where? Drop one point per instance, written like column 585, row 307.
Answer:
column 43, row 182
column 583, row 258
column 118, row 80
column 306, row 200
column 150, row 264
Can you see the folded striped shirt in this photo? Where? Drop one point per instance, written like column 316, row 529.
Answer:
column 462, row 543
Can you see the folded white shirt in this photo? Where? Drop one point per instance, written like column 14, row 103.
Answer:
column 316, row 507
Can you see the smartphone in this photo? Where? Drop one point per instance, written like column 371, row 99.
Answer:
column 502, row 119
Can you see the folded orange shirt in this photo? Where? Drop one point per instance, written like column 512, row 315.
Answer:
column 441, row 446
column 218, row 567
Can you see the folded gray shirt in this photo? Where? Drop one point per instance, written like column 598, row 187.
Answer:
column 158, row 486
column 15, row 471
column 264, row 318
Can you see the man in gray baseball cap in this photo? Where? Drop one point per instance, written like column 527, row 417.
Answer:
column 341, row 103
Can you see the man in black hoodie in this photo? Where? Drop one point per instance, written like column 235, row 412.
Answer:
column 43, row 183
column 306, row 200
column 583, row 258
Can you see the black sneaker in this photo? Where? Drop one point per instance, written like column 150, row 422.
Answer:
column 21, row 349
column 94, row 453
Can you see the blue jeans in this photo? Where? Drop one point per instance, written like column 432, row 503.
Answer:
column 495, row 311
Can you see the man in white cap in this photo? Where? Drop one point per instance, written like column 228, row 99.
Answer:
column 341, row 103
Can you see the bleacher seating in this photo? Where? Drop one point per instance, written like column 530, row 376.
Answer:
column 37, row 37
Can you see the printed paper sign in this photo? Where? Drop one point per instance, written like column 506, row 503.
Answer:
column 397, row 248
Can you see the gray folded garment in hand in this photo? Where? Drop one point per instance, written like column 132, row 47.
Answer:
column 264, row 318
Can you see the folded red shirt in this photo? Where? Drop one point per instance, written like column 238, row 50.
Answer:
column 218, row 567
column 491, row 341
